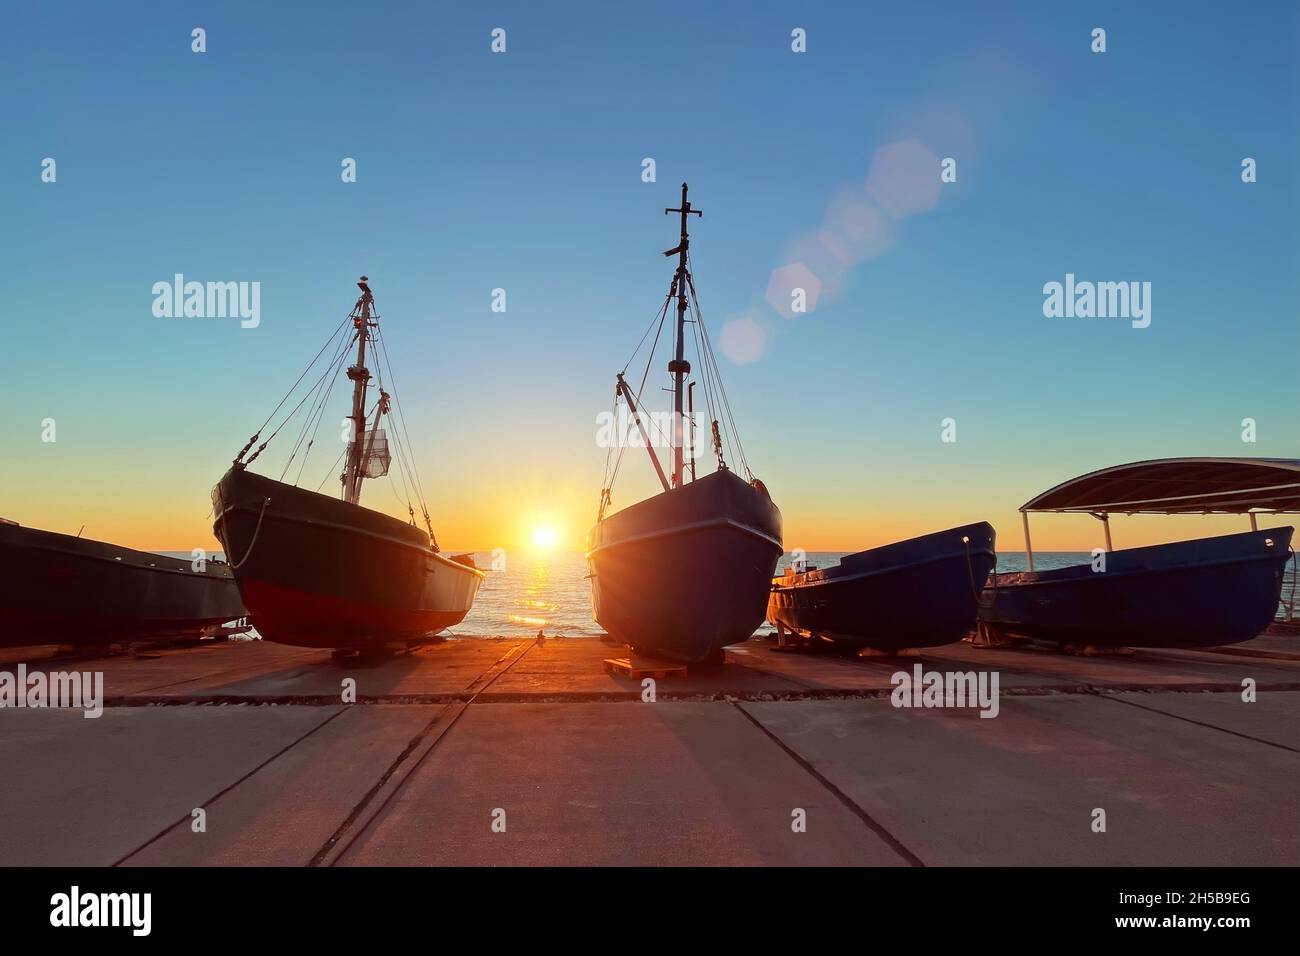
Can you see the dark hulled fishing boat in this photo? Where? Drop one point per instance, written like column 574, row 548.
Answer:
column 686, row 572
column 921, row 592
column 65, row 589
column 1200, row 593
column 317, row 571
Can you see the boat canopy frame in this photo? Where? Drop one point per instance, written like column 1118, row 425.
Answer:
column 1171, row 486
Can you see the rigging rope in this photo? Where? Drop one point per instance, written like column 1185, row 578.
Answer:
column 324, row 389
column 316, row 400
column 658, row 319
column 407, row 446
column 716, row 399
column 331, row 469
column 258, row 433
column 288, row 418
column 394, row 443
column 608, row 487
column 706, row 380
column 725, row 401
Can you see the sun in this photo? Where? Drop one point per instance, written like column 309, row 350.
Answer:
column 544, row 538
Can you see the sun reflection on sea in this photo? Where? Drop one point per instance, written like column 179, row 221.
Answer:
column 537, row 590
column 540, row 574
column 529, row 621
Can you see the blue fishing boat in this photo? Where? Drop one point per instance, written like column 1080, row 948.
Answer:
column 921, row 592
column 1199, row 593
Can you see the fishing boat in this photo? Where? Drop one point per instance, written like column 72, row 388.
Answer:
column 686, row 572
column 65, row 589
column 319, row 571
column 1200, row 593
column 921, row 592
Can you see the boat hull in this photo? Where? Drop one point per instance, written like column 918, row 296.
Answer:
column 315, row 571
column 1201, row 593
column 61, row 589
column 915, row 593
column 687, row 572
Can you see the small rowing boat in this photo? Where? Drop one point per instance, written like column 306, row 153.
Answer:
column 921, row 592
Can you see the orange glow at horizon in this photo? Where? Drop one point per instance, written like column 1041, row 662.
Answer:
column 552, row 513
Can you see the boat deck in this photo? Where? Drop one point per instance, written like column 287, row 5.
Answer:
column 444, row 742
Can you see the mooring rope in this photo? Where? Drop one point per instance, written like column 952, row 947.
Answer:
column 256, row 531
column 970, row 574
column 1295, row 572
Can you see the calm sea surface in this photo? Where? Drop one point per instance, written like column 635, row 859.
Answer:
column 551, row 592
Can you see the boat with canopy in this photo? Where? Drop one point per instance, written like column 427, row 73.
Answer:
column 1200, row 593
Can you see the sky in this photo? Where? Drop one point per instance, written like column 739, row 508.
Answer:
column 524, row 171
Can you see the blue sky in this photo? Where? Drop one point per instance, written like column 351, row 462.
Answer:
column 523, row 171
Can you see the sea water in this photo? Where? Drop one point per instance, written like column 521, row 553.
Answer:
column 551, row 591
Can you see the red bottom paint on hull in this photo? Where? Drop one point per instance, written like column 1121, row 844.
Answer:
column 315, row 571
column 309, row 619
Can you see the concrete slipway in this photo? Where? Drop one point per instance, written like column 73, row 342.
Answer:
column 712, row 772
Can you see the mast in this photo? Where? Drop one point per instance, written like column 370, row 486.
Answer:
column 679, row 368
column 360, row 376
